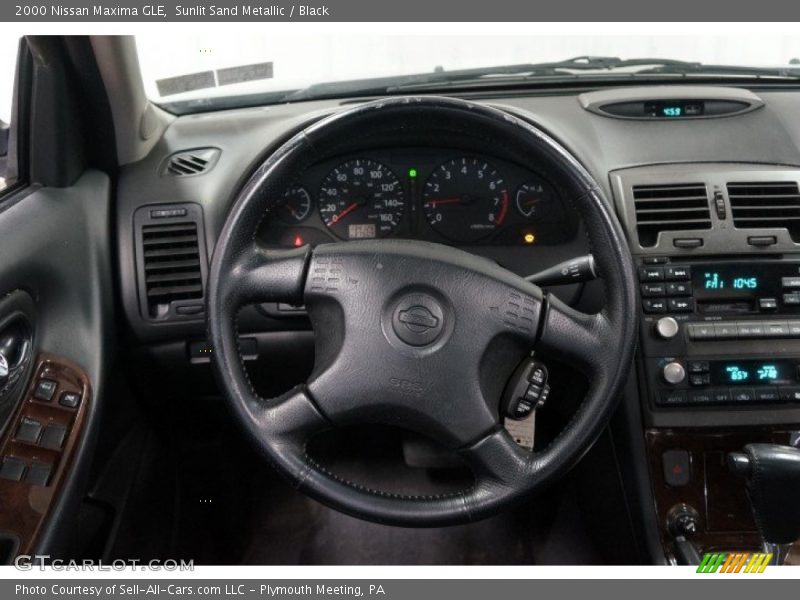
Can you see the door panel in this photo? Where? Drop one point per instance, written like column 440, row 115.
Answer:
column 55, row 246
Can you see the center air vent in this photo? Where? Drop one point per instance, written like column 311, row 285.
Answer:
column 190, row 162
column 678, row 207
column 766, row 205
column 171, row 257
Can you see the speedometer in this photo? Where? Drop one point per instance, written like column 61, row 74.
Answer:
column 465, row 199
column 361, row 199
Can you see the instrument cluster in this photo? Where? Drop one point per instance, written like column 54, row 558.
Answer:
column 433, row 195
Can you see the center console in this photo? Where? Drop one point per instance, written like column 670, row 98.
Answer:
column 718, row 260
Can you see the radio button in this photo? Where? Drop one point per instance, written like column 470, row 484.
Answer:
column 698, row 366
column 790, row 282
column 653, row 289
column 743, row 395
column 790, row 394
column 767, row 303
column 768, row 394
column 654, row 260
column 701, row 331
column 749, row 329
column 651, row 273
column 701, row 397
column 667, row 328
column 792, row 299
column 680, row 304
column 681, row 288
column 776, row 329
column 680, row 273
column 794, row 328
column 699, row 379
column 651, row 306
column 726, row 331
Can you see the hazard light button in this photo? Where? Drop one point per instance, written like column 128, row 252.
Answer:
column 677, row 467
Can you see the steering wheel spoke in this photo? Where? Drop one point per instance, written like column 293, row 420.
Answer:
column 267, row 275
column 496, row 459
column 578, row 338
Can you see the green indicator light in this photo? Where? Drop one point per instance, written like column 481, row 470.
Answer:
column 412, row 173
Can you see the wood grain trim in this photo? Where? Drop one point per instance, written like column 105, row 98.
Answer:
column 24, row 507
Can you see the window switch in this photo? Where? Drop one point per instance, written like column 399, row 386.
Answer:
column 45, row 390
column 29, row 430
column 12, row 468
column 38, row 474
column 53, row 436
column 70, row 399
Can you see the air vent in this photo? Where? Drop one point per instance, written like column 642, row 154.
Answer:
column 191, row 162
column 766, row 205
column 678, row 207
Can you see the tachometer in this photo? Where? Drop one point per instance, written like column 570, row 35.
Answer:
column 465, row 199
column 361, row 199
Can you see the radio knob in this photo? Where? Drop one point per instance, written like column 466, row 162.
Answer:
column 667, row 328
column 674, row 373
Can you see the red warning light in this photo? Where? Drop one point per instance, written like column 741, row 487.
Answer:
column 298, row 241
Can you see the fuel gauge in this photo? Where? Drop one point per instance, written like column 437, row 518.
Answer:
column 295, row 205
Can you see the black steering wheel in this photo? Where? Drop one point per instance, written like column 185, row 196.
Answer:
column 442, row 377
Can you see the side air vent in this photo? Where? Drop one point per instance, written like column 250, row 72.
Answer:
column 678, row 207
column 766, row 205
column 190, row 162
column 172, row 263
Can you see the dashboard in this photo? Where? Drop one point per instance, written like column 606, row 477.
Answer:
column 438, row 195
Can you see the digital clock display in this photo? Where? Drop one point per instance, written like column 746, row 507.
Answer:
column 715, row 280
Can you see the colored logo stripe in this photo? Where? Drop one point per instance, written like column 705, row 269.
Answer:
column 735, row 562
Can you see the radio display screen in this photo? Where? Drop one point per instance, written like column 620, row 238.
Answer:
column 752, row 372
column 727, row 281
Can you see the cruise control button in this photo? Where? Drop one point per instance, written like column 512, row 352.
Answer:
column 678, row 273
column 45, row 390
column 651, row 273
column 532, row 394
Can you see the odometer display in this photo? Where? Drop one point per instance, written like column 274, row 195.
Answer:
column 361, row 199
column 465, row 199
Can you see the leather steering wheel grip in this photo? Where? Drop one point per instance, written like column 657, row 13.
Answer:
column 354, row 292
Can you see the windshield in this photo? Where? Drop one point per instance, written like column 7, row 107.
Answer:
column 206, row 66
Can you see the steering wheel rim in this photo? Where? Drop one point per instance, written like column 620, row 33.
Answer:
column 358, row 326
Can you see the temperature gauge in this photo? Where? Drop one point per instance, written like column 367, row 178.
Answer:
column 536, row 201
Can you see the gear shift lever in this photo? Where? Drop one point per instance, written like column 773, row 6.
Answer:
column 772, row 474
